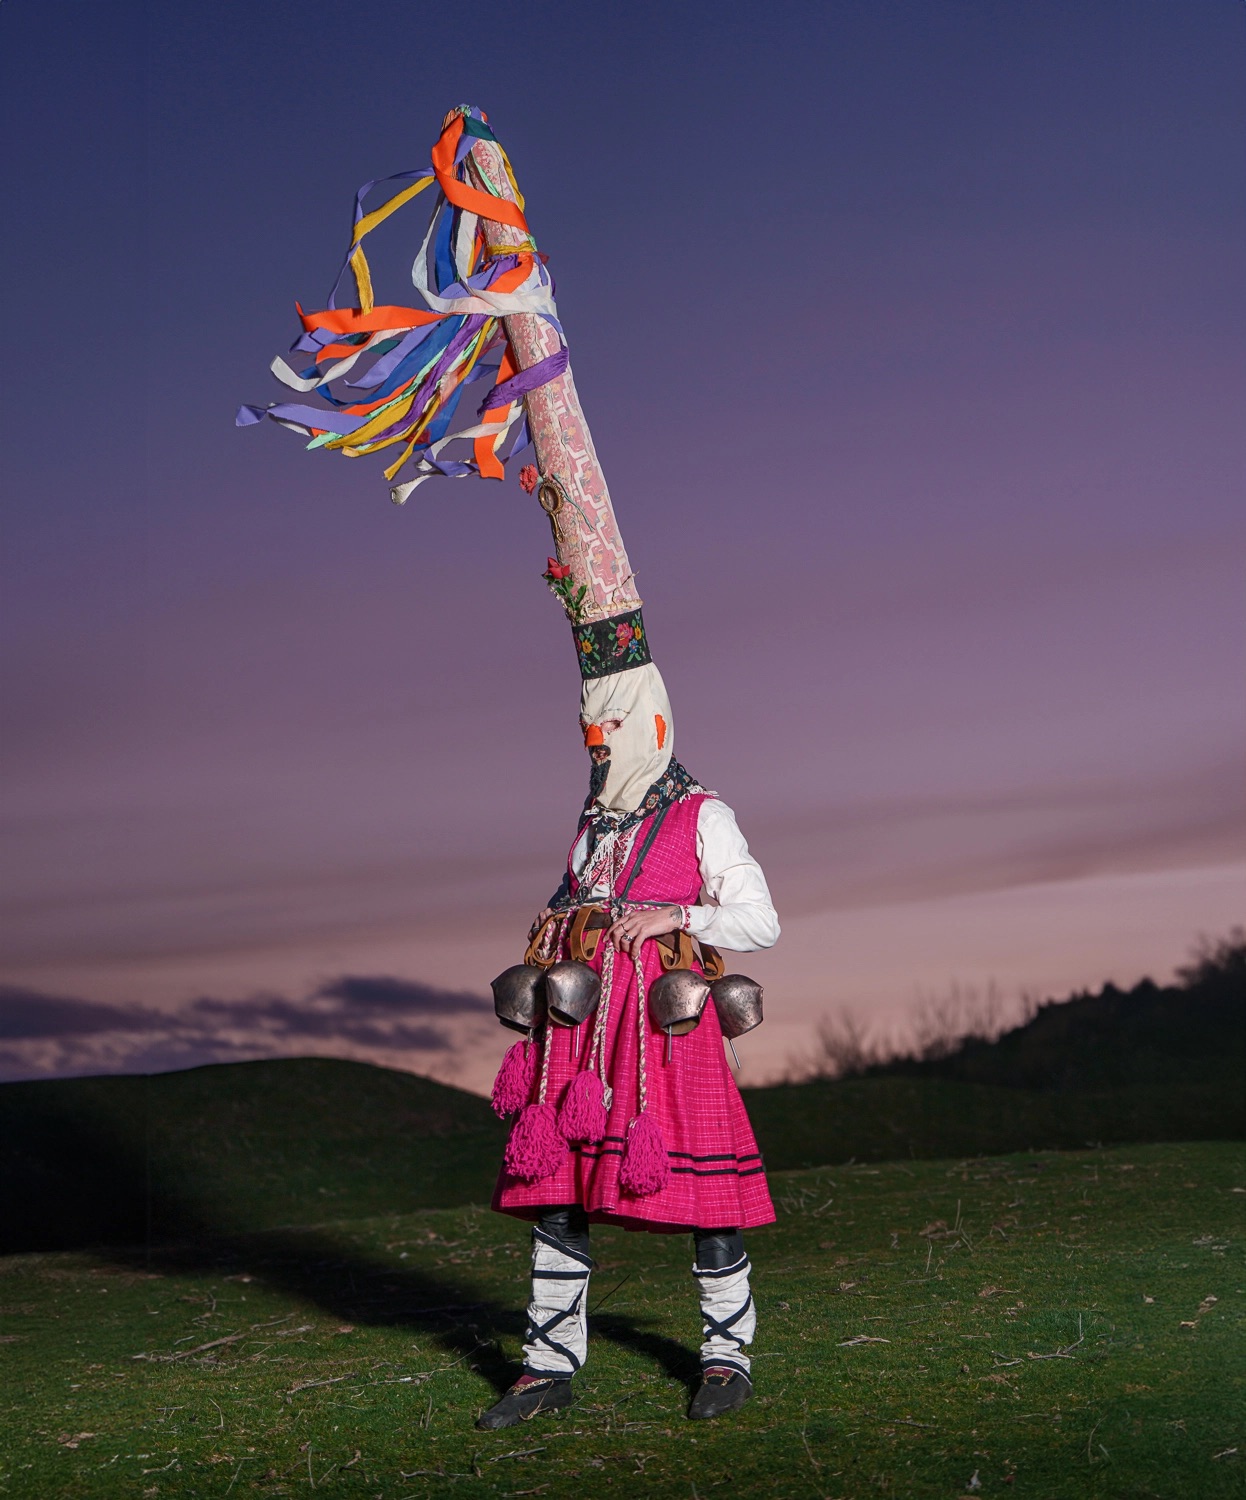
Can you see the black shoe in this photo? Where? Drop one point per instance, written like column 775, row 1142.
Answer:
column 722, row 1390
column 526, row 1399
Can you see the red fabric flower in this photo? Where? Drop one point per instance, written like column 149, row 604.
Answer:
column 529, row 478
column 556, row 570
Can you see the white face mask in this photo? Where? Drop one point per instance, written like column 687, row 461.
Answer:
column 628, row 714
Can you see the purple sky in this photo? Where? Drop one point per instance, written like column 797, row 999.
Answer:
column 911, row 340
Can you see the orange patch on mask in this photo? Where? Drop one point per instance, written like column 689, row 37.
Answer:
column 661, row 724
column 593, row 736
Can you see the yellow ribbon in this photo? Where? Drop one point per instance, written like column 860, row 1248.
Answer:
column 358, row 260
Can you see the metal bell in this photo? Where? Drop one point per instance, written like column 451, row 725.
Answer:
column 738, row 999
column 572, row 991
column 519, row 997
column 676, row 1001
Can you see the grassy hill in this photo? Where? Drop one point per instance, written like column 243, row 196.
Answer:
column 254, row 1146
column 1044, row 1327
column 1148, row 1064
column 268, row 1278
column 231, row 1147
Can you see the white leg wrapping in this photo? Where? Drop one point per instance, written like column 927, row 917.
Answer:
column 728, row 1317
column 557, row 1339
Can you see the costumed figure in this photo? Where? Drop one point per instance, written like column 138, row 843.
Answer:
column 626, row 1111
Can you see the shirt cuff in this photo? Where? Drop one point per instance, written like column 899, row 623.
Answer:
column 697, row 919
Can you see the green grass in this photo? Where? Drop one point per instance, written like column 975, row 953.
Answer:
column 888, row 1116
column 253, row 1146
column 1032, row 1325
column 234, row 1147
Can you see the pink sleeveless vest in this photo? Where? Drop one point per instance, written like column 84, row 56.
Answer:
column 670, row 870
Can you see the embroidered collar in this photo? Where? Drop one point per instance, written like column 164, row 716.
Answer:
column 674, row 785
column 611, row 829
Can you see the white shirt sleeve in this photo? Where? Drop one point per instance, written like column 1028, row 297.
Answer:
column 737, row 911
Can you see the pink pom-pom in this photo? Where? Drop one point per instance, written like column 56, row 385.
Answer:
column 536, row 1148
column 512, row 1088
column 646, row 1166
column 582, row 1115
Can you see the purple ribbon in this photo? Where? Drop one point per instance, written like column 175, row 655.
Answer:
column 384, row 367
column 338, row 422
column 539, row 374
column 472, row 323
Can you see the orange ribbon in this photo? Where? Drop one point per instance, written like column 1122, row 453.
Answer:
column 487, row 461
column 352, row 320
column 500, row 210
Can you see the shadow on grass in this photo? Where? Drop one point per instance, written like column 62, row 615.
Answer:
column 675, row 1359
column 74, row 1181
column 77, row 1181
column 452, row 1312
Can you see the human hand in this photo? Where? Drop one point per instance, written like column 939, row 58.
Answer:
column 543, row 916
column 632, row 929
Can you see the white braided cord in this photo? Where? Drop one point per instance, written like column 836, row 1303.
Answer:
column 597, row 1054
column 546, row 1048
column 640, row 1027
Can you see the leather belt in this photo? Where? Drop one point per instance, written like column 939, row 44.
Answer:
column 676, row 950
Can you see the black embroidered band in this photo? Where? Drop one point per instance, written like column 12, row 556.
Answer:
column 613, row 645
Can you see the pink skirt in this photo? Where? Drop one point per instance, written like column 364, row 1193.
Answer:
column 717, row 1180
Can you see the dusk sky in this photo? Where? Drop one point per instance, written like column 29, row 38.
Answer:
column 911, row 339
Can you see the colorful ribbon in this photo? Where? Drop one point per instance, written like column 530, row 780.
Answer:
column 409, row 366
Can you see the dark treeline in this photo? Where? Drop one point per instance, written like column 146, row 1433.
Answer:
column 1179, row 1032
column 1153, row 1063
column 1192, row 1030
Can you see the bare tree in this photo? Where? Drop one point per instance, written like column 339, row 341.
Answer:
column 1216, row 958
column 848, row 1046
column 943, row 1023
column 845, row 1048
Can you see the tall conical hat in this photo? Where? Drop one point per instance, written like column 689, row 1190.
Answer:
column 489, row 306
column 394, row 378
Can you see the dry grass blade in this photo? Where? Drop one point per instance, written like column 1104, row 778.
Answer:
column 238, row 1471
column 1066, row 1352
column 601, row 1301
column 230, row 1338
column 306, row 1385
